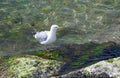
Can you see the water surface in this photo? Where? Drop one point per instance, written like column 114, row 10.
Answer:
column 82, row 21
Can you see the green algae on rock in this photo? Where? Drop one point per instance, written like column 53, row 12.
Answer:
column 33, row 66
column 102, row 69
column 111, row 67
column 94, row 50
column 53, row 55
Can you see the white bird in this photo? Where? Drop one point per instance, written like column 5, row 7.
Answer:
column 47, row 37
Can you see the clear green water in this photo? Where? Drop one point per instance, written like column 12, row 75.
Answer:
column 82, row 21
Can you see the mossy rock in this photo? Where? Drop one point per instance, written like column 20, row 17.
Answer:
column 48, row 54
column 115, row 61
column 32, row 66
column 111, row 67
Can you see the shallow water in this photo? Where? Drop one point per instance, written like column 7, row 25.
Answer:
column 82, row 21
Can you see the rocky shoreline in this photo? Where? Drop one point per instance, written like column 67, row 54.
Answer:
column 87, row 45
column 70, row 61
column 31, row 67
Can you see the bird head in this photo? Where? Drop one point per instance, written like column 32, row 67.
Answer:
column 54, row 27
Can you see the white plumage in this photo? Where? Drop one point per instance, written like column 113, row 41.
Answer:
column 47, row 37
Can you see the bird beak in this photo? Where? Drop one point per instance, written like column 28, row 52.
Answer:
column 59, row 27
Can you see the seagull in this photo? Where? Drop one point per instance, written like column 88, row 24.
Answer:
column 47, row 37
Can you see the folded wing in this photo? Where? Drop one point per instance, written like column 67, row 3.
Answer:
column 41, row 36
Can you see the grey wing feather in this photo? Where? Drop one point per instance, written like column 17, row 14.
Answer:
column 41, row 36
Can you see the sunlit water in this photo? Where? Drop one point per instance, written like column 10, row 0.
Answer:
column 82, row 21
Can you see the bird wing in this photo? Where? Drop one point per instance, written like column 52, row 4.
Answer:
column 41, row 36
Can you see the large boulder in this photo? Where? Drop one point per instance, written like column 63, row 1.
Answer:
column 31, row 67
column 110, row 68
column 104, row 69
